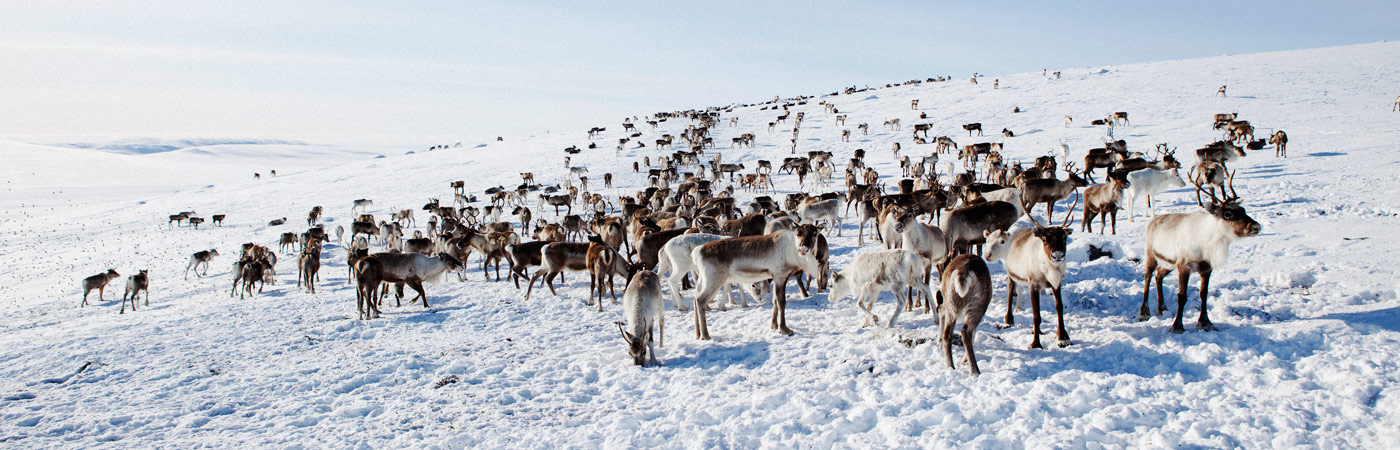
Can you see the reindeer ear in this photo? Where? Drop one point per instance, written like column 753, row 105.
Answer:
column 1068, row 231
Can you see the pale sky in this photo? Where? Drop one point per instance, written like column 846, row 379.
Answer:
column 432, row 71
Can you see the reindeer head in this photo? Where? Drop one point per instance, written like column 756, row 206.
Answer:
column 452, row 262
column 636, row 345
column 807, row 238
column 1230, row 213
column 902, row 217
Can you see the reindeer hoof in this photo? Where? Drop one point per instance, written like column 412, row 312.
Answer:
column 1143, row 316
column 1065, row 343
column 1177, row 328
column 1206, row 326
column 785, row 331
column 1036, row 345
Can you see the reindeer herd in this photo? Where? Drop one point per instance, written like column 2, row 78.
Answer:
column 686, row 230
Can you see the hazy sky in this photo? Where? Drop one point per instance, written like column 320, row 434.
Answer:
column 432, row 70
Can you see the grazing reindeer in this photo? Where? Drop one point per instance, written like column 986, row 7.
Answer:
column 973, row 126
column 875, row 272
column 1187, row 242
column 199, row 258
column 965, row 294
column 1051, row 190
column 134, row 285
column 748, row 260
column 1280, row 141
column 218, row 219
column 459, row 187
column 1034, row 257
column 195, row 221
column 1119, row 118
column 642, row 306
column 1144, row 183
column 98, row 282
column 1101, row 201
column 893, row 124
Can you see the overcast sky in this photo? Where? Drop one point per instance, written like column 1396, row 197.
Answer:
column 433, row 70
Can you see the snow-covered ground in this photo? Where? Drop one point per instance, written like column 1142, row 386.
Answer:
column 1308, row 352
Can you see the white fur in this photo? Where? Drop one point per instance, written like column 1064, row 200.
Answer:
column 810, row 212
column 675, row 259
column 747, row 271
column 875, row 272
column 1144, row 183
column 642, row 307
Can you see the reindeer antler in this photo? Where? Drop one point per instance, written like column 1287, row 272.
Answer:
column 1070, row 212
column 1230, row 177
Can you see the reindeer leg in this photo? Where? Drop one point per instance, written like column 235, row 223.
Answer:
column 780, row 309
column 1184, row 277
column 1161, row 302
column 1010, row 300
column 1143, row 313
column 1035, row 316
column 1203, row 322
column 1062, row 334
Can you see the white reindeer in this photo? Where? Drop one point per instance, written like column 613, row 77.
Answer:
column 748, row 260
column 1198, row 241
column 878, row 271
column 1144, row 183
column 642, row 307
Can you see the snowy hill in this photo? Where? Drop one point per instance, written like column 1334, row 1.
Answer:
column 1308, row 312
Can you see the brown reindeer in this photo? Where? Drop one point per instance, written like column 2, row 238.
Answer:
column 965, row 294
column 134, row 285
column 98, row 282
column 1280, row 141
column 1101, row 201
column 973, row 126
column 1051, row 190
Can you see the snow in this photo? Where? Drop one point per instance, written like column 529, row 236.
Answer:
column 1308, row 312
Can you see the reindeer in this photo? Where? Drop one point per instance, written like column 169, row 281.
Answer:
column 914, row 104
column 1220, row 92
column 973, row 126
column 1101, row 201
column 892, row 124
column 411, row 269
column 642, row 305
column 1034, row 257
column 361, row 204
column 199, row 258
column 309, row 266
column 134, row 285
column 1119, row 118
column 748, row 260
column 965, row 294
column 603, row 263
column 1220, row 151
column 875, row 272
column 1144, row 183
column 1187, row 242
column 922, row 127
column 1051, row 190
column 944, row 144
column 177, row 219
column 1280, row 141
column 1209, row 173
column 557, row 257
